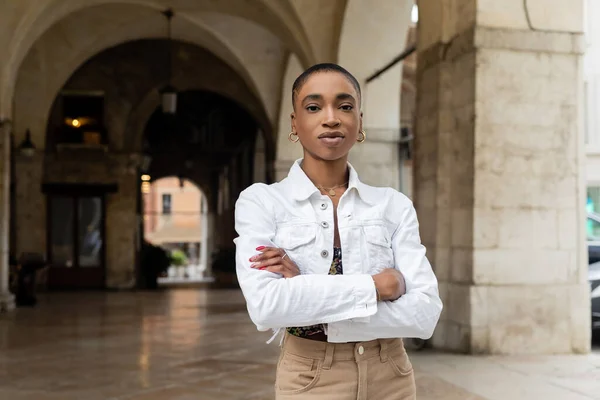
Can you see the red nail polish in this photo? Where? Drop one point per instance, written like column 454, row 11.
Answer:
column 261, row 268
column 259, row 248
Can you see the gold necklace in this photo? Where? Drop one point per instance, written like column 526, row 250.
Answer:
column 330, row 191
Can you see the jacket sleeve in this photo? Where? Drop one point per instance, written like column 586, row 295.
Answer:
column 275, row 302
column 416, row 313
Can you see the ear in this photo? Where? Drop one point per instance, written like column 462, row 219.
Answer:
column 293, row 121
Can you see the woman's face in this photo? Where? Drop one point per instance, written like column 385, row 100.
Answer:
column 327, row 116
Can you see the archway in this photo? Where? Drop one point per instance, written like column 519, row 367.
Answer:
column 99, row 19
column 371, row 37
column 106, row 123
column 175, row 213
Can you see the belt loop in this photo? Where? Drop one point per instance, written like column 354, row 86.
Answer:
column 328, row 356
column 383, row 350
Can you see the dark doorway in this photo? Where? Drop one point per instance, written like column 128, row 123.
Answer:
column 76, row 226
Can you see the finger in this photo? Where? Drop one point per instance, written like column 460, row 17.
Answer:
column 267, row 262
column 281, row 270
column 289, row 264
column 268, row 252
column 276, row 269
column 271, row 249
column 290, row 267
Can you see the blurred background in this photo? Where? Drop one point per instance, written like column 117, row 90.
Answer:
column 129, row 128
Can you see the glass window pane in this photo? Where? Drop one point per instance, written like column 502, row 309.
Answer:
column 61, row 215
column 166, row 204
column 90, row 231
column 593, row 200
column 593, row 206
column 593, row 230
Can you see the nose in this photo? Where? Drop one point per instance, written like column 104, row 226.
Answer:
column 331, row 120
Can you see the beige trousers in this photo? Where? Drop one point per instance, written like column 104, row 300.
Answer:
column 374, row 370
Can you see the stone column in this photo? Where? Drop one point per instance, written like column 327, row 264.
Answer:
column 30, row 204
column 377, row 158
column 121, row 225
column 7, row 302
column 210, row 243
column 499, row 174
column 260, row 167
column 204, row 256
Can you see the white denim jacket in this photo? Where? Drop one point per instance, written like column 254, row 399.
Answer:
column 378, row 229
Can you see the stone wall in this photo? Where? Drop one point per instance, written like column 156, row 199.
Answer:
column 499, row 180
column 6, row 299
column 30, row 204
column 377, row 158
column 89, row 168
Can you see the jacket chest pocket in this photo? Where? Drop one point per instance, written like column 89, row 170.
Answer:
column 378, row 247
column 298, row 242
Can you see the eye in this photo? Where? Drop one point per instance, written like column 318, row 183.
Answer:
column 312, row 108
column 347, row 107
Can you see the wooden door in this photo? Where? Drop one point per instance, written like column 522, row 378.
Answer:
column 76, row 241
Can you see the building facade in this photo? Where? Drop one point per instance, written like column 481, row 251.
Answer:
column 174, row 218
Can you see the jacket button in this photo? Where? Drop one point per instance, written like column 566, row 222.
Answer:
column 324, row 253
column 361, row 350
column 323, row 206
column 325, row 224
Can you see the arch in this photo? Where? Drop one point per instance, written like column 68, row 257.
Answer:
column 278, row 17
column 131, row 87
column 287, row 152
column 201, row 184
column 186, row 220
column 210, row 132
column 192, row 180
column 371, row 37
column 140, row 115
column 48, row 56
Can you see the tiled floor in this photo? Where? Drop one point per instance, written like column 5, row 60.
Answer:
column 193, row 344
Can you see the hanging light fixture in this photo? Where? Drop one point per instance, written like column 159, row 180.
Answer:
column 168, row 94
column 27, row 148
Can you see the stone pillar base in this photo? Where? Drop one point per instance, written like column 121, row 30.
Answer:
column 7, row 302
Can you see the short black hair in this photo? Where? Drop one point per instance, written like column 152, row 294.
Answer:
column 324, row 67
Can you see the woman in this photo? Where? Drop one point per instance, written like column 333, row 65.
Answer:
column 334, row 263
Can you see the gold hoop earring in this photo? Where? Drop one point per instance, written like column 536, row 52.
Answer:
column 364, row 136
column 292, row 133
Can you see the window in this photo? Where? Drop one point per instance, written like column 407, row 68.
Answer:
column 593, row 199
column 593, row 230
column 76, row 233
column 166, row 204
column 593, row 208
column 62, row 237
column 82, row 119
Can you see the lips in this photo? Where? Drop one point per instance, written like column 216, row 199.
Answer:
column 331, row 139
column 331, row 135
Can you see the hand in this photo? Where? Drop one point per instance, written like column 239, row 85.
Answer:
column 275, row 260
column 390, row 284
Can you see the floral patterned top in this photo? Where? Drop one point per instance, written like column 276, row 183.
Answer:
column 334, row 269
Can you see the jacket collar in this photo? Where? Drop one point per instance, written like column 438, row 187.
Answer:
column 301, row 187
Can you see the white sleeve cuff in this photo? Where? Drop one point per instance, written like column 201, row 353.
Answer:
column 365, row 296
